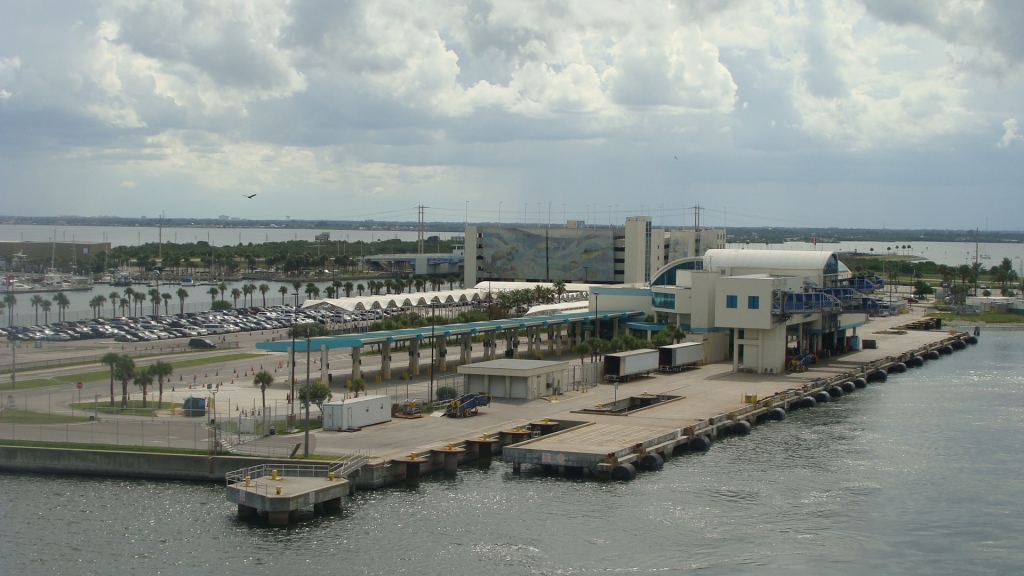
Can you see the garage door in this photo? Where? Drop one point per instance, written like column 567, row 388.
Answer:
column 519, row 389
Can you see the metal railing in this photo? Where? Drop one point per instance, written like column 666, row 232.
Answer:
column 342, row 467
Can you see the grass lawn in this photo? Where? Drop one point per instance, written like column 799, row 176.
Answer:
column 104, row 447
column 28, row 417
column 105, row 374
column 987, row 317
column 134, row 407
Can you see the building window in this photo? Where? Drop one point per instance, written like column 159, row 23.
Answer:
column 664, row 301
column 753, row 302
column 730, row 301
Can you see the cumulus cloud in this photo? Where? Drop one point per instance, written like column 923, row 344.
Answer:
column 1012, row 133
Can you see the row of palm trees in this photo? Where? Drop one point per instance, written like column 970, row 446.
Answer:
column 123, row 369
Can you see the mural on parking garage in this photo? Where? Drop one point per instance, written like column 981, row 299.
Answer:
column 568, row 254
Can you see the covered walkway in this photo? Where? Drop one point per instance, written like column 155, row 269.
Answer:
column 461, row 335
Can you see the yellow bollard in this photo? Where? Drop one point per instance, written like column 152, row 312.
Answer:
column 330, row 476
column 546, row 421
column 412, row 456
column 451, row 446
column 273, row 474
column 485, row 436
column 248, row 481
column 278, row 490
column 518, row 429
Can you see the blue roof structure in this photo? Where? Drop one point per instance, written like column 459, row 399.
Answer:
column 447, row 330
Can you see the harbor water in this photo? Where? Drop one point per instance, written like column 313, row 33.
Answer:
column 919, row 475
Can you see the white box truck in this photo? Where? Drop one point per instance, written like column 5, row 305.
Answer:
column 620, row 366
column 675, row 357
column 355, row 413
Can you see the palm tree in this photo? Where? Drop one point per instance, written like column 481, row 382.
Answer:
column 263, row 292
column 161, row 370
column 312, row 289
column 559, row 286
column 115, row 297
column 247, row 289
column 360, row 288
column 154, row 297
column 139, row 298
column 284, row 293
column 10, row 300
column 182, row 294
column 124, row 304
column 166, row 296
column 36, row 302
column 235, row 293
column 420, row 284
column 264, row 380
column 46, row 310
column 222, row 288
column 389, row 284
column 213, row 294
column 337, row 286
column 296, row 284
column 62, row 303
column 143, row 378
column 124, row 370
column 356, row 385
column 582, row 349
column 451, row 280
column 129, row 293
column 348, row 289
column 111, row 359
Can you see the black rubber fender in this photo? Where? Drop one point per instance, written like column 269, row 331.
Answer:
column 971, row 340
column 881, row 375
column 652, row 461
column 860, row 383
column 741, row 428
column 822, row 397
column 899, row 368
column 959, row 345
column 624, row 472
column 700, row 444
column 777, row 414
column 946, row 350
column 848, row 387
column 809, row 402
column 932, row 355
column 835, row 392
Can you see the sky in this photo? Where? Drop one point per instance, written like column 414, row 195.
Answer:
column 844, row 113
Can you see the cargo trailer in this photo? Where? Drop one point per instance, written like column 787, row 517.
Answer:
column 355, row 413
column 675, row 357
column 620, row 366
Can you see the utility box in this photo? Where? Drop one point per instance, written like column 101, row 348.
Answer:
column 675, row 357
column 357, row 412
column 620, row 366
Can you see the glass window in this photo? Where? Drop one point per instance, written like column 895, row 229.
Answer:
column 664, row 301
column 753, row 302
column 730, row 301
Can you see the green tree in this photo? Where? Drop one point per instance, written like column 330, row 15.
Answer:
column 297, row 285
column 36, row 302
column 46, row 307
column 62, row 303
column 154, row 297
column 111, row 359
column 318, row 394
column 115, row 298
column 213, row 292
column 583, row 349
column 222, row 288
column 264, row 380
column 235, row 293
column 182, row 294
column 356, row 385
column 360, row 288
column 161, row 370
column 922, row 289
column 166, row 296
column 124, row 370
column 348, row 289
column 140, row 300
column 264, row 288
column 314, row 329
column 451, row 282
column 143, row 379
column 247, row 291
column 10, row 300
column 220, row 305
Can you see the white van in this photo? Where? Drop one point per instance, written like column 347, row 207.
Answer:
column 214, row 329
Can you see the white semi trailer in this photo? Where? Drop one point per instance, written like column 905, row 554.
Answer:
column 620, row 366
column 675, row 357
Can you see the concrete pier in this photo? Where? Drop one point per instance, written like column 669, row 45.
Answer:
column 281, row 497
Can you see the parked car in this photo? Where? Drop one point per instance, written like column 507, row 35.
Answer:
column 201, row 343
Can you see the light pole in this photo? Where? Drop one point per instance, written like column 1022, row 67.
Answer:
column 433, row 343
column 499, row 214
column 308, row 399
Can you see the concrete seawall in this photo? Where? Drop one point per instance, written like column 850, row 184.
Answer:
column 124, row 464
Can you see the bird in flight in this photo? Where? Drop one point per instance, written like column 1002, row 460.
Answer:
column 676, row 157
column 250, row 196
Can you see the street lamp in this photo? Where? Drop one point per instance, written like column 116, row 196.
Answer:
column 433, row 343
column 306, row 449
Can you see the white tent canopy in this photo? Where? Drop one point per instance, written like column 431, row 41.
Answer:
column 384, row 301
column 496, row 286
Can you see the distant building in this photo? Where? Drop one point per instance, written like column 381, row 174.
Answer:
column 43, row 252
column 322, row 237
column 574, row 253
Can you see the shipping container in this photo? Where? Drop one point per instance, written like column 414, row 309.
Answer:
column 620, row 366
column 676, row 356
column 357, row 412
